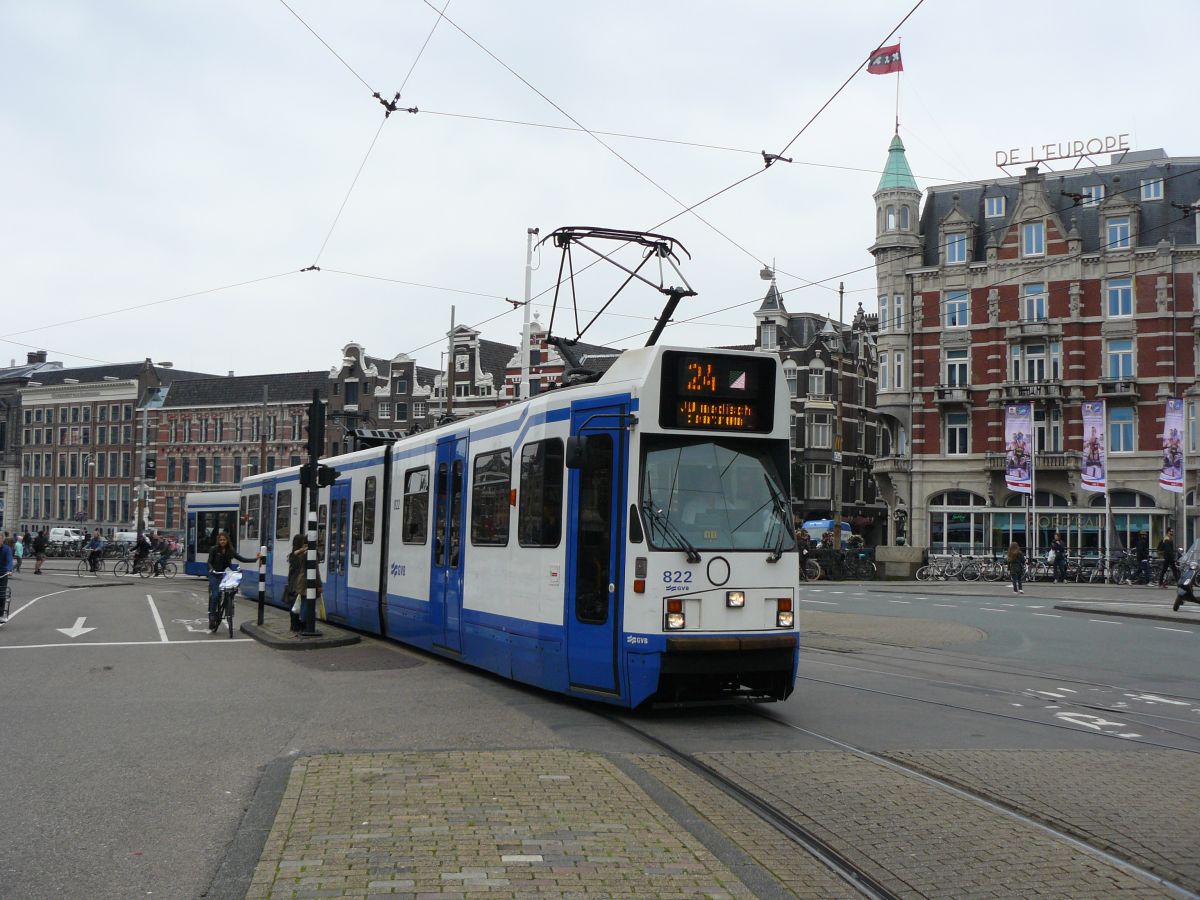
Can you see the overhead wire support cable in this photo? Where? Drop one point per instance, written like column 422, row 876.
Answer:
column 327, row 47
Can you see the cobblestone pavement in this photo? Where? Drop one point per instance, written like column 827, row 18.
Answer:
column 1142, row 806
column 917, row 839
column 513, row 824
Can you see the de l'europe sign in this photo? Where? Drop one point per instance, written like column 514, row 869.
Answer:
column 1112, row 143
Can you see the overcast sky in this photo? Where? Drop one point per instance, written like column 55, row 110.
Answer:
column 158, row 149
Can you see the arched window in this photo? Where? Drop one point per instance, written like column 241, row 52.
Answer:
column 904, row 218
column 816, row 377
column 790, row 372
column 954, row 525
column 1044, row 499
column 891, row 218
column 957, row 498
column 1125, row 499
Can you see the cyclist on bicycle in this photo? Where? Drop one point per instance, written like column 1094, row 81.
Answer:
column 142, row 551
column 162, row 549
column 95, row 546
column 220, row 557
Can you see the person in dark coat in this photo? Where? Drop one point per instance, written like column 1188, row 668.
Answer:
column 1016, row 567
column 1170, row 557
column 1060, row 558
column 220, row 557
column 1143, row 558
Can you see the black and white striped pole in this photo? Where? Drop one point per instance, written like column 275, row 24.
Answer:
column 262, row 582
column 316, row 443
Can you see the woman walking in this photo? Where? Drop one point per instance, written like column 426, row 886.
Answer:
column 1016, row 567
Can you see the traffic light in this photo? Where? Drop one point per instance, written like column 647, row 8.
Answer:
column 151, row 467
column 326, row 475
column 306, row 479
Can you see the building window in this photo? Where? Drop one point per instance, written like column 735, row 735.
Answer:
column 1093, row 194
column 1120, row 297
column 400, row 386
column 816, row 381
column 351, row 393
column 957, row 368
column 1033, row 303
column 461, row 362
column 790, row 374
column 820, row 431
column 883, row 371
column 1152, row 188
column 1033, row 239
column 1116, row 233
column 170, row 468
column 993, row 207
column 201, row 469
column 237, row 470
column 1048, row 431
column 818, row 481
column 957, row 426
column 418, row 410
column 402, row 412
column 898, row 312
column 462, row 390
column 1120, row 358
column 956, row 248
column 384, row 410
column 898, row 381
column 1120, row 429
column 957, row 309
column 891, row 218
column 767, row 336
column 883, row 313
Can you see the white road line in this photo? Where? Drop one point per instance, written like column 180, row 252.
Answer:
column 1180, row 630
column 1048, row 615
column 947, row 605
column 900, row 601
column 822, row 602
column 21, row 609
column 922, row 598
column 1104, row 622
column 126, row 644
column 990, row 609
column 162, row 632
column 837, row 592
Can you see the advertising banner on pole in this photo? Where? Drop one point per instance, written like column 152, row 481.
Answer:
column 1095, row 463
column 1018, row 428
column 1170, row 476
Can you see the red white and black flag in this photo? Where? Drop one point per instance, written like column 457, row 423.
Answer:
column 885, row 60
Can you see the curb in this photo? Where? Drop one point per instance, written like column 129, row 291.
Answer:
column 327, row 639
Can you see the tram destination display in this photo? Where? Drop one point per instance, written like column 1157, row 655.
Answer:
column 715, row 392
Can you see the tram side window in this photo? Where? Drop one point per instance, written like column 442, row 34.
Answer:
column 539, row 507
column 356, row 533
column 243, row 521
column 489, row 498
column 268, row 517
column 252, row 518
column 369, row 511
column 283, row 516
column 322, row 520
column 414, row 528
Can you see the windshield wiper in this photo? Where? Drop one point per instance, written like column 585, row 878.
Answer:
column 783, row 513
column 668, row 530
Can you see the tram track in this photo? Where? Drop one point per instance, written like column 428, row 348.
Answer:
column 853, row 875
column 993, row 804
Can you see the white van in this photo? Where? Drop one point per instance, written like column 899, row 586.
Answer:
column 66, row 535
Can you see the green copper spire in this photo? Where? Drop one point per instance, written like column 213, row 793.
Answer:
column 896, row 174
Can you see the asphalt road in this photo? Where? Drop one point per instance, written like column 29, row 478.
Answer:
column 134, row 742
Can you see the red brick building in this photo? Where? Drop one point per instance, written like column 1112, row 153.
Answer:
column 1057, row 288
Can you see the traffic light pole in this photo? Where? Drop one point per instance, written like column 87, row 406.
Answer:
column 316, row 442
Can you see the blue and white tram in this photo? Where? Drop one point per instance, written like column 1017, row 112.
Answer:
column 206, row 514
column 626, row 540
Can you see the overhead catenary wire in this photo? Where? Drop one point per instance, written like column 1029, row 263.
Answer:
column 327, row 47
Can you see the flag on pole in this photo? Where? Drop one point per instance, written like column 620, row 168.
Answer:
column 885, row 60
column 1170, row 475
column 1018, row 428
column 1094, row 476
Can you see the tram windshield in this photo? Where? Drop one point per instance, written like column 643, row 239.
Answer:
column 714, row 494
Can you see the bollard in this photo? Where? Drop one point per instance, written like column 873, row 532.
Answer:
column 262, row 582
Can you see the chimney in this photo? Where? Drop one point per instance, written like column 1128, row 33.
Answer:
column 35, row 356
column 231, row 373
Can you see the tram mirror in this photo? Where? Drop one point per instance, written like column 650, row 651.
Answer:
column 575, row 451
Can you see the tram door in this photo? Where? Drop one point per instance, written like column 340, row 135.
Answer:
column 266, row 533
column 335, row 557
column 446, row 580
column 595, row 517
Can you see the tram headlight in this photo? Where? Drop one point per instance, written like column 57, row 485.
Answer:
column 735, row 599
column 784, row 617
column 674, row 618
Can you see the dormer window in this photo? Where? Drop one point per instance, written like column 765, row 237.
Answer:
column 993, row 207
column 1092, row 194
column 766, row 338
column 1116, row 233
column 1033, row 239
column 1152, row 188
column 956, row 247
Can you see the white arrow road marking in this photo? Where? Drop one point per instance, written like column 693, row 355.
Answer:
column 77, row 629
column 188, row 623
column 162, row 632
